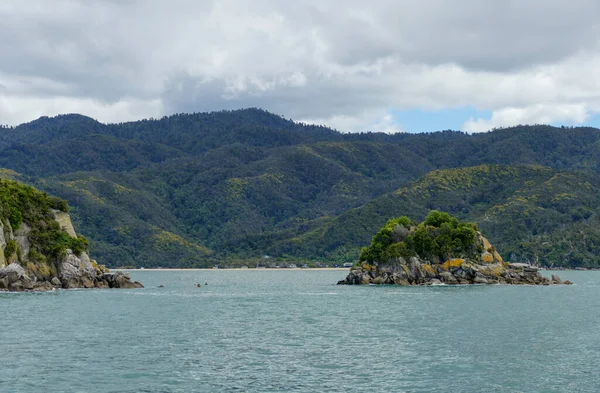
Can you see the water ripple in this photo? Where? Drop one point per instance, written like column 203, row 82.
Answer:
column 292, row 332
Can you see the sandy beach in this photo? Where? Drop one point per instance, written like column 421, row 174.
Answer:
column 248, row 269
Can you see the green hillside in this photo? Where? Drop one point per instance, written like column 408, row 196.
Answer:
column 192, row 190
column 531, row 213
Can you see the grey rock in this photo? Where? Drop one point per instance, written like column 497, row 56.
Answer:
column 42, row 286
column 556, row 279
column 22, row 238
column 13, row 273
column 101, row 284
column 378, row 280
column 16, row 286
column 119, row 280
column 76, row 271
column 2, row 238
column 56, row 282
column 448, row 278
column 480, row 279
column 64, row 220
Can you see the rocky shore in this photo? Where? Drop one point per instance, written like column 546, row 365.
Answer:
column 73, row 272
column 439, row 250
column 39, row 249
column 452, row 272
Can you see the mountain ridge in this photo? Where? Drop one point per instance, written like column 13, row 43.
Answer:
column 239, row 184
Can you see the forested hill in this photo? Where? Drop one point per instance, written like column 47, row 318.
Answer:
column 192, row 189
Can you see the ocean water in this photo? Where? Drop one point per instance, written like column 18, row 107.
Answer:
column 294, row 331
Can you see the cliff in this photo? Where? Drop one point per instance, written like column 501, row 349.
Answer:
column 39, row 249
column 440, row 250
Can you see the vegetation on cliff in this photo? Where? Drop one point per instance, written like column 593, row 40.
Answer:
column 27, row 213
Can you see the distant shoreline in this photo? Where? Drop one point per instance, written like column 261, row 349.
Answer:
column 249, row 269
column 283, row 269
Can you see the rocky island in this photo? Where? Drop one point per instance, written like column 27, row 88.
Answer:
column 39, row 249
column 439, row 250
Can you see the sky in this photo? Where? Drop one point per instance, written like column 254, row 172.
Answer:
column 377, row 65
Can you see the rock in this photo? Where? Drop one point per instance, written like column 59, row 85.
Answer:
column 378, row 280
column 120, row 280
column 22, row 238
column 567, row 282
column 138, row 284
column 43, row 286
column 556, row 280
column 480, row 279
column 27, row 282
column 16, row 286
column 448, row 278
column 454, row 272
column 55, row 282
column 76, row 271
column 12, row 273
column 101, row 284
column 64, row 220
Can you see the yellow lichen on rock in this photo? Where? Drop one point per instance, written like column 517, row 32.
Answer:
column 495, row 270
column 455, row 262
column 367, row 267
column 487, row 257
column 428, row 268
column 497, row 256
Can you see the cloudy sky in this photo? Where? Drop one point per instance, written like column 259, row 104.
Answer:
column 381, row 65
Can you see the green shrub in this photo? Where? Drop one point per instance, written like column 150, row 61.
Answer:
column 59, row 204
column 11, row 247
column 439, row 237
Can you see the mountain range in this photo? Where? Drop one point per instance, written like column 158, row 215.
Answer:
column 194, row 190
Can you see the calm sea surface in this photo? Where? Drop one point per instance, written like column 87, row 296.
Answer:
column 293, row 331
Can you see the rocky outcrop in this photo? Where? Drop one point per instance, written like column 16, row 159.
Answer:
column 484, row 265
column 14, row 277
column 120, row 280
column 20, row 271
column 77, row 271
column 451, row 272
column 439, row 250
column 64, row 220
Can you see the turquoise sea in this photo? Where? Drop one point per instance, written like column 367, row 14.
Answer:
column 295, row 331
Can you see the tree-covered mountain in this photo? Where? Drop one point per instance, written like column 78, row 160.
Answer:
column 533, row 213
column 192, row 189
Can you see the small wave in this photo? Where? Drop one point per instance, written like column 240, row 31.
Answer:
column 319, row 293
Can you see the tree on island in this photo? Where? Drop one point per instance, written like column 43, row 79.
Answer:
column 439, row 238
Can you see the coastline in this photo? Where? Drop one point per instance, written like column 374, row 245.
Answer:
column 234, row 269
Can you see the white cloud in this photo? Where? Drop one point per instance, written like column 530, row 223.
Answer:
column 374, row 122
column 343, row 63
column 14, row 109
column 536, row 114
